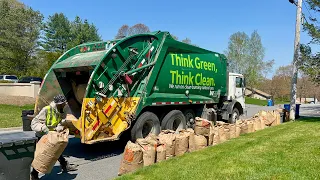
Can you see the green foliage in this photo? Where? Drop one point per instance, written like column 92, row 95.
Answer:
column 309, row 62
column 245, row 55
column 61, row 34
column 82, row 32
column 256, row 101
column 57, row 33
column 287, row 151
column 19, row 34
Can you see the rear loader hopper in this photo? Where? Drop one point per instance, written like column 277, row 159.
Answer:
column 145, row 83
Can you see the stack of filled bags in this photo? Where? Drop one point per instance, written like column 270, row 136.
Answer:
column 168, row 144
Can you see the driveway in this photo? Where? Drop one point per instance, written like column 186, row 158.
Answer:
column 102, row 161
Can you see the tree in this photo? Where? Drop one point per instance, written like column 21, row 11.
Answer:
column 237, row 52
column 57, row 33
column 125, row 30
column 19, row 33
column 82, row 32
column 245, row 55
column 309, row 62
column 187, row 40
column 174, row 37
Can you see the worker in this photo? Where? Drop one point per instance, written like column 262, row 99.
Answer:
column 52, row 118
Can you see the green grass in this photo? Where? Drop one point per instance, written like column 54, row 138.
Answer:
column 256, row 101
column 10, row 115
column 287, row 151
column 263, row 102
column 281, row 102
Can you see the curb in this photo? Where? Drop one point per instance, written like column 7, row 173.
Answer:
column 11, row 129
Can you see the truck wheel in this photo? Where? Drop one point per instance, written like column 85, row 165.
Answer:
column 147, row 123
column 190, row 117
column 174, row 120
column 234, row 116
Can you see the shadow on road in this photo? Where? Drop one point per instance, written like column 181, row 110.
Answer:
column 97, row 151
column 84, row 152
column 56, row 174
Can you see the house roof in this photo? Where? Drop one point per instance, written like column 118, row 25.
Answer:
column 257, row 91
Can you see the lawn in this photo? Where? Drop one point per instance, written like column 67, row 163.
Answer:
column 262, row 102
column 10, row 115
column 287, row 151
column 256, row 101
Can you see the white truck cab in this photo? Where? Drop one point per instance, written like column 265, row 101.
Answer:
column 236, row 88
column 234, row 104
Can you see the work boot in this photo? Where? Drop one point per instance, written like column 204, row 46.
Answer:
column 66, row 167
column 33, row 177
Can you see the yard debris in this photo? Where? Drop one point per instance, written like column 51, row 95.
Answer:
column 222, row 134
column 182, row 143
column 202, row 126
column 238, row 130
column 48, row 150
column 132, row 158
column 161, row 153
column 232, row 131
column 200, row 142
column 168, row 143
column 148, row 150
column 168, row 137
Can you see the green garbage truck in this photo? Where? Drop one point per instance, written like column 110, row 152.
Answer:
column 143, row 83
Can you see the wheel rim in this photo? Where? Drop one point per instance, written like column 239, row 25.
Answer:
column 177, row 125
column 234, row 117
column 189, row 116
column 147, row 128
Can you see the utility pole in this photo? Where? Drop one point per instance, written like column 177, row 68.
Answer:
column 295, row 59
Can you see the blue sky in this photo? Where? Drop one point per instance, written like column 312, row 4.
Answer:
column 208, row 23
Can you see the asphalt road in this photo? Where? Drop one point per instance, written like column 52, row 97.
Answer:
column 102, row 161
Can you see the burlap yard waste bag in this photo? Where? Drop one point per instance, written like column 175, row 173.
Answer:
column 148, row 150
column 267, row 117
column 161, row 153
column 168, row 138
column 222, row 134
column 200, row 141
column 48, row 150
column 276, row 115
column 232, row 130
column 244, row 128
column 182, row 143
column 216, row 136
column 238, row 130
column 202, row 127
column 257, row 124
column 250, row 126
column 211, row 135
column 132, row 158
column 192, row 142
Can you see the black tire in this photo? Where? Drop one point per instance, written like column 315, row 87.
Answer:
column 174, row 120
column 234, row 116
column 189, row 114
column 146, row 123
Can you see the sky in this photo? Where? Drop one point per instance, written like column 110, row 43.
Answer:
column 208, row 23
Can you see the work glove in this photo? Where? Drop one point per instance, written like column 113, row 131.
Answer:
column 45, row 130
column 59, row 128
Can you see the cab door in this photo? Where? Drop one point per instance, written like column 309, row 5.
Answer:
column 240, row 88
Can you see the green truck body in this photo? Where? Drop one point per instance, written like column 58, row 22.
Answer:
column 110, row 85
